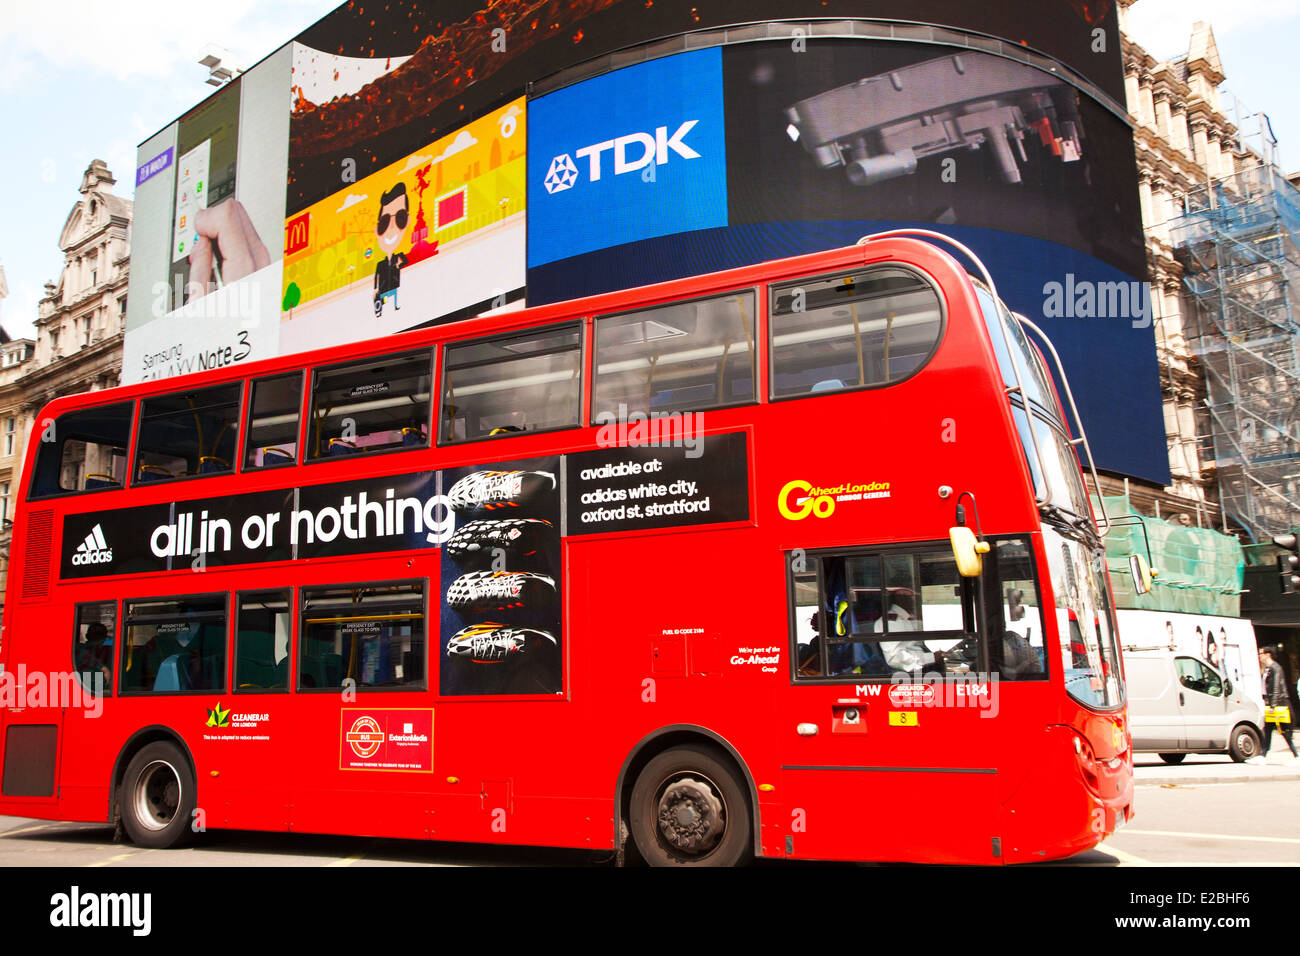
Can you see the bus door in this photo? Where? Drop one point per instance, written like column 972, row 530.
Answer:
column 892, row 708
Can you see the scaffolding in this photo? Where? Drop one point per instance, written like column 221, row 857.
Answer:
column 1200, row 571
column 1239, row 243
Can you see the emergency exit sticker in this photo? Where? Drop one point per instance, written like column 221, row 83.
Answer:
column 904, row 718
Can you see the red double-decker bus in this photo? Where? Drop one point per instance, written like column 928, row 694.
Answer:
column 793, row 560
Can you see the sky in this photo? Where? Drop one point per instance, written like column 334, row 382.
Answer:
column 81, row 80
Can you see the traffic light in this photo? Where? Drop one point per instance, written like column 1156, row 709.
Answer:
column 1288, row 565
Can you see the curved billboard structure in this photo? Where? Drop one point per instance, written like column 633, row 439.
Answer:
column 431, row 162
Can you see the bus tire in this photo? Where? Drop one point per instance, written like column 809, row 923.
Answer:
column 1172, row 758
column 157, row 797
column 689, row 808
column 1245, row 743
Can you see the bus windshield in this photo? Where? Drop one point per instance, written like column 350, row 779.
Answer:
column 1089, row 655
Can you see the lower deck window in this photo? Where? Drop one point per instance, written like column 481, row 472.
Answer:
column 173, row 645
column 861, row 614
column 363, row 636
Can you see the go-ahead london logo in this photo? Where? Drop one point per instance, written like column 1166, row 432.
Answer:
column 561, row 175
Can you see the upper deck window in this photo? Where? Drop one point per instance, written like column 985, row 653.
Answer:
column 834, row 333
column 677, row 357
column 523, row 382
column 83, row 451
column 380, row 404
column 187, row 433
column 272, row 437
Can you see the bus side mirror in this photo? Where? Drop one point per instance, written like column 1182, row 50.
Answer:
column 967, row 550
column 1142, row 573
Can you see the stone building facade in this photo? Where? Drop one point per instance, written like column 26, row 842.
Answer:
column 79, row 324
column 1182, row 138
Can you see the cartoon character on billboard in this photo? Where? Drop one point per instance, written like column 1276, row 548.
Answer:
column 394, row 214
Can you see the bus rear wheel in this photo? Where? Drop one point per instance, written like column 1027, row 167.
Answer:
column 689, row 809
column 157, row 797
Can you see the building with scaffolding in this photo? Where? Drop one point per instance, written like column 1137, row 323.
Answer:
column 1237, row 242
column 1222, row 224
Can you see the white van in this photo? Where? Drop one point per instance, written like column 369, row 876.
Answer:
column 1178, row 701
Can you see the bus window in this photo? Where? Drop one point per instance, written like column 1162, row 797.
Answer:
column 678, row 357
column 381, row 404
column 372, row 635
column 807, row 624
column 262, row 641
column 272, row 437
column 93, row 645
column 187, row 433
column 875, row 615
column 851, row 331
column 523, row 382
column 174, row 644
column 1013, row 610
column 83, row 451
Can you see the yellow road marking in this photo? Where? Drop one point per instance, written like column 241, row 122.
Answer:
column 20, row 830
column 347, row 860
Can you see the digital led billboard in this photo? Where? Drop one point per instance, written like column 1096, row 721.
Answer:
column 423, row 162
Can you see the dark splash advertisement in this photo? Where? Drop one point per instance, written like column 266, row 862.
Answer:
column 406, row 71
column 501, row 627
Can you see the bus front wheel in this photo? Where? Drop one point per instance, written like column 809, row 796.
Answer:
column 689, row 809
column 157, row 797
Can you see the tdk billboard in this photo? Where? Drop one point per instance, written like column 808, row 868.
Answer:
column 636, row 154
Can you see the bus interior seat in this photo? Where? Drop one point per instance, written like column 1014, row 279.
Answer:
column 827, row 385
column 153, row 473
column 211, row 465
column 322, row 670
column 173, row 673
column 101, row 481
column 412, row 437
column 275, row 456
column 341, row 446
column 256, row 659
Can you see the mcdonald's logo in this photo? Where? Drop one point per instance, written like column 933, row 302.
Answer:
column 297, row 234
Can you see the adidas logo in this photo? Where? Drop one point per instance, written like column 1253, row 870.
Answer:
column 94, row 550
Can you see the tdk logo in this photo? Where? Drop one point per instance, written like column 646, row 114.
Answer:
column 94, row 550
column 563, row 173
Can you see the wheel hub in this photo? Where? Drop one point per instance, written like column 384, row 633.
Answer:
column 158, row 796
column 691, row 815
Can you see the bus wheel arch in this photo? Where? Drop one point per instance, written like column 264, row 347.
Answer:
column 700, row 746
column 166, row 750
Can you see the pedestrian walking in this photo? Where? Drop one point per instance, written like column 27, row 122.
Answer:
column 1277, row 711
